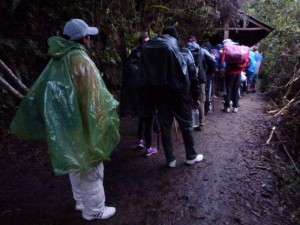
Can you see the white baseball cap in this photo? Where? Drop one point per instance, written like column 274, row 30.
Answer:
column 77, row 28
column 229, row 41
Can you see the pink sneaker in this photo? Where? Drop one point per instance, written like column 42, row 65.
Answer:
column 150, row 151
column 141, row 143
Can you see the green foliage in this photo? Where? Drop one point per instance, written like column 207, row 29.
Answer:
column 281, row 80
column 27, row 25
column 25, row 49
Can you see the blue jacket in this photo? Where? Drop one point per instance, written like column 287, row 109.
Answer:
column 252, row 62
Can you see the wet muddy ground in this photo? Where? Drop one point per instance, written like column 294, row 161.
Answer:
column 234, row 184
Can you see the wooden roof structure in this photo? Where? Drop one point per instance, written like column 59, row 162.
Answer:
column 248, row 31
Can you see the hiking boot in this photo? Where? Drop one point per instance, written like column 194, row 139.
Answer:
column 172, row 164
column 193, row 161
column 79, row 206
column 105, row 214
column 141, row 143
column 151, row 151
column 235, row 110
column 197, row 128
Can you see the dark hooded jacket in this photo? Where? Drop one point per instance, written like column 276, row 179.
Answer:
column 199, row 60
column 192, row 72
column 162, row 64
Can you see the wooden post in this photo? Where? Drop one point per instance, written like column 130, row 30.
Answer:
column 226, row 30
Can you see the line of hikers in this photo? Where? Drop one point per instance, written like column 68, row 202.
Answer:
column 213, row 72
column 71, row 111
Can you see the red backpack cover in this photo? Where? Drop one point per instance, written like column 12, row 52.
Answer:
column 237, row 54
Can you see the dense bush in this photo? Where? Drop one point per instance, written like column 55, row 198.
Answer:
column 281, row 82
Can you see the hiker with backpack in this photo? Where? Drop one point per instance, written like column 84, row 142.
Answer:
column 259, row 59
column 130, row 78
column 236, row 58
column 130, row 73
column 192, row 73
column 217, row 52
column 210, row 66
column 165, row 86
column 250, row 72
column 195, row 49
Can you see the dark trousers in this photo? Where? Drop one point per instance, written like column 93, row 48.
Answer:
column 170, row 104
column 232, row 84
column 220, row 80
column 175, row 105
column 145, row 128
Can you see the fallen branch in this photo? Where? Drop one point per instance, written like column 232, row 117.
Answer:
column 290, row 116
column 271, row 135
column 295, row 76
column 261, row 167
column 255, row 213
column 286, row 106
column 10, row 88
column 13, row 76
column 273, row 111
column 288, row 154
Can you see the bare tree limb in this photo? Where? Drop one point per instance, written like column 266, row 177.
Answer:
column 286, row 106
column 271, row 135
column 10, row 88
column 295, row 77
column 288, row 154
column 12, row 75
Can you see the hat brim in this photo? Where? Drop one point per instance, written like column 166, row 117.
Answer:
column 92, row 31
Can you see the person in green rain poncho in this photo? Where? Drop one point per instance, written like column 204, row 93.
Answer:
column 70, row 110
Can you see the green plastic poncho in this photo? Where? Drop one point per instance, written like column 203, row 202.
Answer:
column 70, row 109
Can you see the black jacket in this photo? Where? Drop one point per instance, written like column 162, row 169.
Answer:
column 162, row 64
column 192, row 72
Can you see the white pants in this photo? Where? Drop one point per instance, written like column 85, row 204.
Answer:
column 87, row 188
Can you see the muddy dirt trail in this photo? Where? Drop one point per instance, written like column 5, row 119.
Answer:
column 234, row 184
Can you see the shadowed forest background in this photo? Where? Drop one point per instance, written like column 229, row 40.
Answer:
column 26, row 26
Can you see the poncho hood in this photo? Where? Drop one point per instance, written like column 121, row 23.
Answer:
column 59, row 47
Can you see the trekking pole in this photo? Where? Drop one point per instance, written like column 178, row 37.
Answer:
column 158, row 129
column 212, row 95
column 176, row 128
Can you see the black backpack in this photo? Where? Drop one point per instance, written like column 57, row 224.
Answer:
column 200, row 63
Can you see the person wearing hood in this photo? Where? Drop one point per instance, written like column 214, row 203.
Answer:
column 70, row 110
column 259, row 59
column 250, row 71
column 165, row 86
column 210, row 67
column 205, row 64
